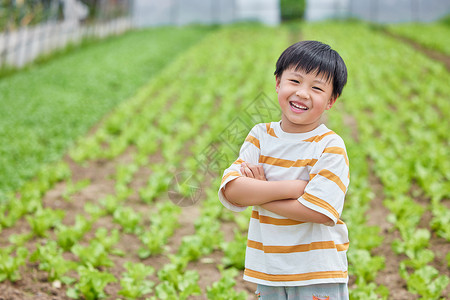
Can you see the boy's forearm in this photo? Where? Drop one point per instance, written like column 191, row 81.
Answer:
column 294, row 210
column 247, row 191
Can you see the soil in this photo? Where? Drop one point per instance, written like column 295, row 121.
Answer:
column 34, row 285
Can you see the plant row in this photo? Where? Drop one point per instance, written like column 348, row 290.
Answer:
column 47, row 106
column 433, row 36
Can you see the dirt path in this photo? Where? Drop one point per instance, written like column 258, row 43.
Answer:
column 376, row 216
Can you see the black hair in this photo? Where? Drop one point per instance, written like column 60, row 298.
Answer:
column 314, row 56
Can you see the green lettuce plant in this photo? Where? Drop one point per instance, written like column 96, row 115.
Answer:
column 51, row 261
column 9, row 263
column 91, row 284
column 134, row 281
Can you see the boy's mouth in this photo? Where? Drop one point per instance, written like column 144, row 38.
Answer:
column 298, row 106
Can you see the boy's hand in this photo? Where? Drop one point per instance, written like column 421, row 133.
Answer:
column 252, row 171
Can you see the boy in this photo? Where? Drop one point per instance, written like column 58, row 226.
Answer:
column 295, row 174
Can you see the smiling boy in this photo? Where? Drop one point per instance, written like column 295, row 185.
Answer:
column 295, row 174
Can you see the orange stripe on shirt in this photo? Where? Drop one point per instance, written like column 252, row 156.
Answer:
column 318, row 138
column 285, row 163
column 296, row 277
column 342, row 247
column 238, row 161
column 274, row 221
column 253, row 140
column 330, row 176
column 233, row 173
column 319, row 202
column 279, row 222
column 297, row 248
column 337, row 150
column 270, row 130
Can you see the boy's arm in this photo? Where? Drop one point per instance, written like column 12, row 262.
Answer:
column 289, row 207
column 294, row 210
column 236, row 191
column 248, row 191
column 249, row 152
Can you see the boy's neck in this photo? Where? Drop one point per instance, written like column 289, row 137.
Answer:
column 288, row 128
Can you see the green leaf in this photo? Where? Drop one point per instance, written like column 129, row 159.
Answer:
column 427, row 282
column 92, row 283
column 44, row 219
column 9, row 264
column 51, row 260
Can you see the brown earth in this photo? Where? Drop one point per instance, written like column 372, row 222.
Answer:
column 34, row 285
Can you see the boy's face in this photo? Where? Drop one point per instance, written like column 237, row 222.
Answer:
column 303, row 98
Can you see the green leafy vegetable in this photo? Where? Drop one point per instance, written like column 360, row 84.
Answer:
column 134, row 282
column 94, row 254
column 67, row 236
column 44, row 219
column 128, row 219
column 235, row 251
column 91, row 284
column 426, row 282
column 223, row 289
column 9, row 264
column 50, row 260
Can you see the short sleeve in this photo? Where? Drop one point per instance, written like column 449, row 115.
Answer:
column 249, row 152
column 329, row 180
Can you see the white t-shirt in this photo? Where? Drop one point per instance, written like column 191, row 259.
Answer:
column 284, row 252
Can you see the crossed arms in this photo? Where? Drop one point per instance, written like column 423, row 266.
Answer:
column 279, row 197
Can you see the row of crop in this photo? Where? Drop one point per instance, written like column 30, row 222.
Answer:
column 400, row 129
column 422, row 149
column 363, row 238
column 119, row 133
column 126, row 217
column 170, row 134
column 434, row 35
column 45, row 107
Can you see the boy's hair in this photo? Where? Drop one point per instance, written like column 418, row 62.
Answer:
column 314, row 56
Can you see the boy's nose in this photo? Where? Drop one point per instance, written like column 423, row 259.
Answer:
column 302, row 93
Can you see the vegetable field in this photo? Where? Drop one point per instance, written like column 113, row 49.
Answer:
column 114, row 194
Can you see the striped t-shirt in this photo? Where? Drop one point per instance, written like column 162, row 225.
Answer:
column 281, row 251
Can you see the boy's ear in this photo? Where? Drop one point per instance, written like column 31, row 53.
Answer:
column 331, row 102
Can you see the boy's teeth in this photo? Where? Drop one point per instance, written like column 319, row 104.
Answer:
column 299, row 106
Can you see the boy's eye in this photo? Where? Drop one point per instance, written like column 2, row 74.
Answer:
column 317, row 88
column 295, row 81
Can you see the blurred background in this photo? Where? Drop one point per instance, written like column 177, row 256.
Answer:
column 30, row 28
column 108, row 108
